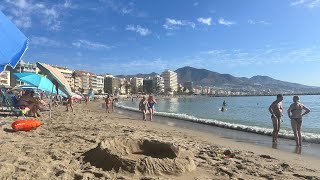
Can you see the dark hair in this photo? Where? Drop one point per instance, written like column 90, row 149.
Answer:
column 279, row 96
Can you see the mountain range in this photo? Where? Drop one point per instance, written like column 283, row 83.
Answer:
column 204, row 77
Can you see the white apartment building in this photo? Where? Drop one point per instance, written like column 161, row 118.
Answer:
column 100, row 84
column 67, row 73
column 5, row 78
column 159, row 84
column 137, row 84
column 21, row 67
column 170, row 79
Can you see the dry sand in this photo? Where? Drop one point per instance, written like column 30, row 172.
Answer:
column 91, row 144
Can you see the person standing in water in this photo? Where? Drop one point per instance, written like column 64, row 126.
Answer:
column 151, row 103
column 276, row 114
column 295, row 114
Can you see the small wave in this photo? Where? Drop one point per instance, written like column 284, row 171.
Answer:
column 307, row 137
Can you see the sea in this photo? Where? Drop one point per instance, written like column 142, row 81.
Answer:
column 248, row 114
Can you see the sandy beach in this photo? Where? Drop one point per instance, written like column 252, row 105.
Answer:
column 92, row 144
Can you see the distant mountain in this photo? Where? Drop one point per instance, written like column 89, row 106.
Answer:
column 205, row 77
column 138, row 75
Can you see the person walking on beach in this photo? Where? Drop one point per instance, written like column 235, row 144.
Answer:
column 276, row 114
column 108, row 102
column 151, row 102
column 295, row 114
column 69, row 103
column 143, row 106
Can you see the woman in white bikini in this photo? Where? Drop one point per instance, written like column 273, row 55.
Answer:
column 295, row 114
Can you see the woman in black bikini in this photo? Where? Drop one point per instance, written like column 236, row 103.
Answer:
column 295, row 114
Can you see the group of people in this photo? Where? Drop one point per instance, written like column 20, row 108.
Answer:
column 110, row 103
column 147, row 104
column 295, row 112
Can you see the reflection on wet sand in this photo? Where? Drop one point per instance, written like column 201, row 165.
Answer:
column 298, row 150
column 274, row 145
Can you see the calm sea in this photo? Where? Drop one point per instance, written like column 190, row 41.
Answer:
column 248, row 114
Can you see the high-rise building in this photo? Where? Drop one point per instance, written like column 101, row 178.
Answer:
column 137, row 85
column 85, row 81
column 100, row 84
column 111, row 84
column 170, row 79
column 159, row 84
column 188, row 85
column 149, row 86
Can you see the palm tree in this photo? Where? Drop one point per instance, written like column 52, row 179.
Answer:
column 74, row 75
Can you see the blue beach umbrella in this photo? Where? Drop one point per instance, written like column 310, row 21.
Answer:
column 13, row 43
column 38, row 81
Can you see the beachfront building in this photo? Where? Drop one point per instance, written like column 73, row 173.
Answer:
column 149, row 86
column 111, row 84
column 84, row 81
column 67, row 73
column 170, row 79
column 159, row 84
column 188, row 85
column 136, row 85
column 21, row 67
column 5, row 79
column 100, row 84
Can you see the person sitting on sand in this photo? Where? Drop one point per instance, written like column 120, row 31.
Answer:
column 295, row 114
column 151, row 103
column 276, row 114
column 143, row 106
column 30, row 103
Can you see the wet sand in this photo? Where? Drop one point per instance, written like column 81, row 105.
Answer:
column 92, row 144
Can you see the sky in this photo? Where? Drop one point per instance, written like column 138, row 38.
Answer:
column 244, row 38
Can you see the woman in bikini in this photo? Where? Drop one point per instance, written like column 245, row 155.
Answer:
column 108, row 102
column 295, row 114
column 151, row 103
column 29, row 103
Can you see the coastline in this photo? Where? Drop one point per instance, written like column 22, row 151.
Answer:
column 60, row 148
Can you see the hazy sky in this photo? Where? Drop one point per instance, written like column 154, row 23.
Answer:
column 277, row 38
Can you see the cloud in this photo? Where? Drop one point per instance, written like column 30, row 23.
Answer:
column 25, row 12
column 138, row 29
column 171, row 24
column 306, row 3
column 89, row 45
column 262, row 22
column 262, row 56
column 206, row 21
column 196, row 4
column 225, row 22
column 44, row 41
column 124, row 8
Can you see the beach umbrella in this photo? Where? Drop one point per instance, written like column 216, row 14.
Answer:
column 37, row 81
column 56, row 78
column 13, row 43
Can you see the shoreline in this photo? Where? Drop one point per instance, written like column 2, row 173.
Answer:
column 284, row 144
column 256, row 130
column 62, row 148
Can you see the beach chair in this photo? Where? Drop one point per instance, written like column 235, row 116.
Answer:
column 10, row 104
